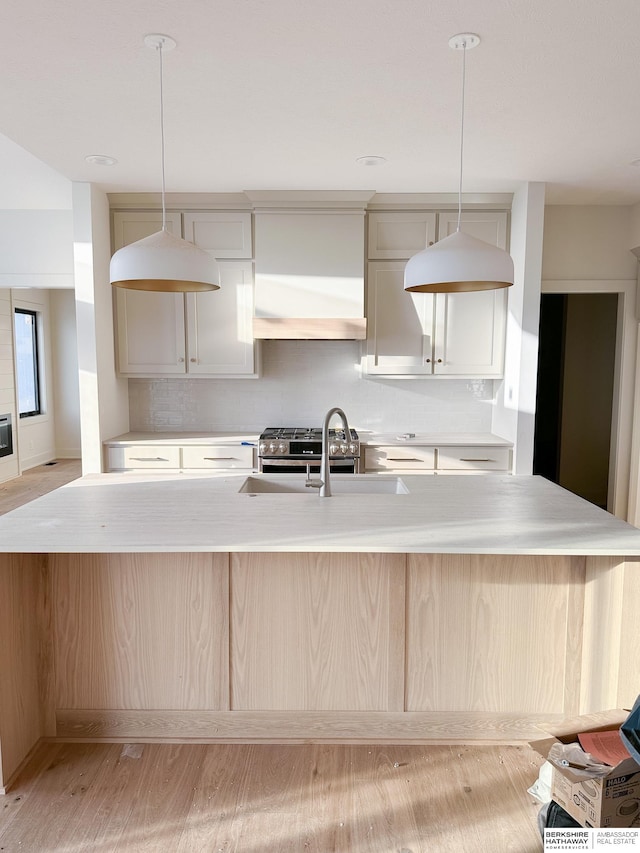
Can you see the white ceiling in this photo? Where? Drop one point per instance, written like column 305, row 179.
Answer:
column 286, row 94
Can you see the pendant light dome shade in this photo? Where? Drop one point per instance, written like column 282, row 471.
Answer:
column 162, row 262
column 165, row 263
column 458, row 263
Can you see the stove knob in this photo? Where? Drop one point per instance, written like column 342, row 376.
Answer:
column 344, row 449
column 333, row 449
column 272, row 448
column 282, row 448
column 353, row 448
column 262, row 447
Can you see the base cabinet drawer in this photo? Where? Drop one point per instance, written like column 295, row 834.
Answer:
column 399, row 458
column 144, row 457
column 217, row 457
column 465, row 458
column 454, row 459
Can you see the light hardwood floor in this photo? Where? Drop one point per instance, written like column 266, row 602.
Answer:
column 228, row 798
column 188, row 798
column 36, row 482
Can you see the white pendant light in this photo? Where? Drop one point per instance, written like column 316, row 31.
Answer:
column 459, row 262
column 163, row 262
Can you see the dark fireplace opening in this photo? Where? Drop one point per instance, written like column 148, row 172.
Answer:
column 6, row 436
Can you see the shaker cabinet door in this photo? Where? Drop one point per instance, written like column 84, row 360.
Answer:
column 395, row 234
column 150, row 326
column 219, row 324
column 150, row 332
column 224, row 233
column 470, row 327
column 469, row 333
column 399, row 324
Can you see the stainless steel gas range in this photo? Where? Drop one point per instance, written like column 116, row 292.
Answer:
column 283, row 450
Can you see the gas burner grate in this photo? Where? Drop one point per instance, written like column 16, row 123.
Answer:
column 303, row 433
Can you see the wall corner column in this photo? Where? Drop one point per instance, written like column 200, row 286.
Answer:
column 104, row 405
column 514, row 410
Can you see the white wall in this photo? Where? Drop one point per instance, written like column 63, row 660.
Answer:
column 27, row 183
column 587, row 250
column 36, row 251
column 36, row 247
column 104, row 404
column 37, row 434
column 65, row 374
column 36, row 225
column 514, row 412
column 590, row 242
column 8, row 464
column 634, row 240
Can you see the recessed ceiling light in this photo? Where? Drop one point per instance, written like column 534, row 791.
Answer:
column 100, row 160
column 371, row 160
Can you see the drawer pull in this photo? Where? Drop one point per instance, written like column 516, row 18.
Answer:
column 462, row 459
column 148, row 459
column 403, row 459
column 219, row 458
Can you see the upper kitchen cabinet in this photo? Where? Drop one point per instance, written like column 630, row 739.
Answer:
column 219, row 324
column 400, row 324
column 150, row 326
column 226, row 234
column 309, row 274
column 447, row 334
column 395, row 235
column 195, row 334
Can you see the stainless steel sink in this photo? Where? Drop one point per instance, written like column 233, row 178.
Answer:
column 346, row 484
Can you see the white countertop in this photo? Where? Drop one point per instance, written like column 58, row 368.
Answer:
column 183, row 438
column 367, row 438
column 491, row 514
column 434, row 439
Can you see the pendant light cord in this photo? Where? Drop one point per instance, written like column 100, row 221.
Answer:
column 464, row 59
column 164, row 213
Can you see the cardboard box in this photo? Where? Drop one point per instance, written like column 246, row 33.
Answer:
column 610, row 801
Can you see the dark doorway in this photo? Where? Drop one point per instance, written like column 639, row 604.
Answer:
column 576, row 365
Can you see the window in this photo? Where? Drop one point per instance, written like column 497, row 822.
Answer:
column 27, row 363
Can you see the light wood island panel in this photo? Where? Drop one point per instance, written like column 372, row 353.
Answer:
column 290, row 647
column 317, row 632
column 25, row 659
column 494, row 634
column 141, row 631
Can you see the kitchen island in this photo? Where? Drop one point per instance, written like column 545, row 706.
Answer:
column 216, row 608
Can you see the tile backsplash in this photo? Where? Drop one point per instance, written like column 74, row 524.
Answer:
column 300, row 381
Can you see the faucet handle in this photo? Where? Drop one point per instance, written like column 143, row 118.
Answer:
column 314, row 484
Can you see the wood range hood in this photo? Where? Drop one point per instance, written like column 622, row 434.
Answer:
column 309, row 265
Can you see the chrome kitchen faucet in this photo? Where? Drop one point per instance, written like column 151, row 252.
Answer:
column 324, row 484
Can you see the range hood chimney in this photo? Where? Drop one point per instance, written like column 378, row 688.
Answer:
column 309, row 255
